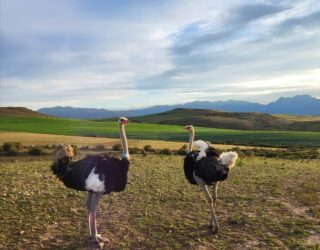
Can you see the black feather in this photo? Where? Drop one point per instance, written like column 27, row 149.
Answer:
column 110, row 169
column 208, row 168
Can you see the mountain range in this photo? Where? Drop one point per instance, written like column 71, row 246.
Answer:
column 297, row 105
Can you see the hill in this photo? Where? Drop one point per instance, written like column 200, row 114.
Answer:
column 297, row 105
column 78, row 113
column 231, row 120
column 19, row 111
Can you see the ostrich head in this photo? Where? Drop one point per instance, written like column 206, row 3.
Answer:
column 189, row 128
column 229, row 158
column 63, row 154
column 123, row 121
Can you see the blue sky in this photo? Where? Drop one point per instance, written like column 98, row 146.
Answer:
column 128, row 54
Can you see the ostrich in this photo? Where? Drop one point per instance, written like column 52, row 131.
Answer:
column 97, row 174
column 205, row 167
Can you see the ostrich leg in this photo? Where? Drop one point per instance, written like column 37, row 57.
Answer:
column 213, row 222
column 89, row 207
column 92, row 218
column 213, row 204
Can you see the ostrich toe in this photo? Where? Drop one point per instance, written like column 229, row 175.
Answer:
column 103, row 239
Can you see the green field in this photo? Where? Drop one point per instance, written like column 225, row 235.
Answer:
column 264, row 204
column 157, row 132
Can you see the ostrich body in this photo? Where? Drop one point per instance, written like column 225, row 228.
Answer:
column 205, row 167
column 97, row 174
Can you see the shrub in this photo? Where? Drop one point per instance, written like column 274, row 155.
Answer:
column 166, row 151
column 185, row 146
column 143, row 152
column 182, row 151
column 100, row 147
column 117, row 147
column 134, row 150
column 36, row 151
column 12, row 152
column 148, row 148
column 7, row 146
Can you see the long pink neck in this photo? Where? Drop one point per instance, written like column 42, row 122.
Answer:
column 191, row 138
column 123, row 137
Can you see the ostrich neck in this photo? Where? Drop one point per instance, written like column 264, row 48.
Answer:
column 191, row 138
column 125, row 152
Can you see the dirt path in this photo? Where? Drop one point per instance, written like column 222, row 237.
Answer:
column 300, row 210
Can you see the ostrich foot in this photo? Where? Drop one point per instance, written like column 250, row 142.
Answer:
column 103, row 239
column 215, row 230
column 99, row 239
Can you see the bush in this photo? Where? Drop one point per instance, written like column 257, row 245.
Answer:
column 100, row 147
column 7, row 146
column 182, row 151
column 185, row 146
column 143, row 152
column 134, row 150
column 166, row 151
column 12, row 152
column 36, row 151
column 148, row 148
column 117, row 147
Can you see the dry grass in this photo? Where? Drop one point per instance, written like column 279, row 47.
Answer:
column 300, row 118
column 264, row 204
column 43, row 139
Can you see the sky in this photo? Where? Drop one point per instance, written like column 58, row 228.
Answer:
column 119, row 54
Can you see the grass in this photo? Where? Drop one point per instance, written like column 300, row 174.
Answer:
column 264, row 204
column 157, row 132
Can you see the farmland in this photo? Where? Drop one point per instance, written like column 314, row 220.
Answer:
column 157, row 132
column 264, row 204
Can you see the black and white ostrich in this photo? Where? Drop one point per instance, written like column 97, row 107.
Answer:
column 205, row 167
column 97, row 174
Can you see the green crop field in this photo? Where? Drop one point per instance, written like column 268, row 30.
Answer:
column 264, row 204
column 157, row 132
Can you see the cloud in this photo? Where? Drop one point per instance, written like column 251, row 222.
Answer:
column 116, row 53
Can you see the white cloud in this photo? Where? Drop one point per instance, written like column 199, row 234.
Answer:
column 104, row 54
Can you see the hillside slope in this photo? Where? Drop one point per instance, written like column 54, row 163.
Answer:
column 19, row 111
column 230, row 120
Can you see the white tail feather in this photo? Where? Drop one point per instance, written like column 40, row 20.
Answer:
column 229, row 158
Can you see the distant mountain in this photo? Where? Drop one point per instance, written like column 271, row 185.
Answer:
column 232, row 120
column 297, row 105
column 19, row 111
column 78, row 113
